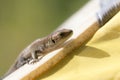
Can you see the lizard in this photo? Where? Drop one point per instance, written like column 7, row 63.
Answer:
column 39, row 48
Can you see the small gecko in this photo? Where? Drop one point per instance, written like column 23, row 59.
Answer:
column 40, row 48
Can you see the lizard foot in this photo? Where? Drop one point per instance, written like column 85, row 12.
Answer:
column 33, row 61
column 28, row 61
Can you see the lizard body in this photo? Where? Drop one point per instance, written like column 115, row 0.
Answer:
column 39, row 48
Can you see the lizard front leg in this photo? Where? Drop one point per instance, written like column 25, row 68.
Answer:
column 35, row 57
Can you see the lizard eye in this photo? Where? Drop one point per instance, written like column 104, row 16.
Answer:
column 62, row 34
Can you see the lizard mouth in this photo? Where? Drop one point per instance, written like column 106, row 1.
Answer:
column 66, row 33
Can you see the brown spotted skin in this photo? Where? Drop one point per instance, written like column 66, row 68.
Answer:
column 39, row 48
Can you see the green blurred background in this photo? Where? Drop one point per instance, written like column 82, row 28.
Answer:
column 23, row 21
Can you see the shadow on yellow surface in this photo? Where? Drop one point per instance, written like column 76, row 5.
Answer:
column 97, row 60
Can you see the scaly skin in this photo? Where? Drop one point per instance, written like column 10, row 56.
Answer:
column 39, row 48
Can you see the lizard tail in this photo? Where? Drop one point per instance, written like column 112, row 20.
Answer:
column 12, row 69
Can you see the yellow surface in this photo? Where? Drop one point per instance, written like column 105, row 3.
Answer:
column 98, row 60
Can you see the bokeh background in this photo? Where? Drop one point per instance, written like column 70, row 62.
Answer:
column 23, row 21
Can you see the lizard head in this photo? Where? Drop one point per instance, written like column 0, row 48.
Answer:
column 61, row 36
